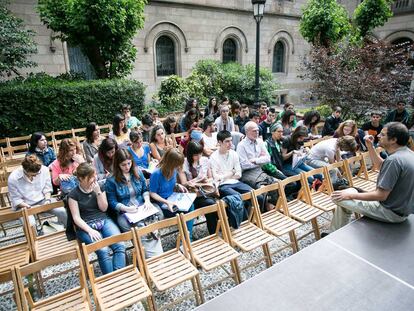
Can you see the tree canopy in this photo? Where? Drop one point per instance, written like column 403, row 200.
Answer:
column 16, row 43
column 103, row 29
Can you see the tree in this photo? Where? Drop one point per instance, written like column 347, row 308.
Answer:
column 370, row 14
column 324, row 23
column 16, row 43
column 361, row 78
column 103, row 29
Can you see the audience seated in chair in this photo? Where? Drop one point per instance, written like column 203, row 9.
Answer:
column 127, row 192
column 332, row 122
column 104, row 159
column 120, row 132
column 39, row 147
column 92, row 142
column 132, row 123
column 88, row 206
column 159, row 143
column 30, row 185
column 141, row 153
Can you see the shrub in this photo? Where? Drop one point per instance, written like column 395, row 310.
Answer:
column 172, row 93
column 43, row 103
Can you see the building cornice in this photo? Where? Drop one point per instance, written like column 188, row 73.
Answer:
column 216, row 8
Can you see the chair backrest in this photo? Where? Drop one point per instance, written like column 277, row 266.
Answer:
column 326, row 184
column 265, row 189
column 105, row 129
column 38, row 266
column 93, row 247
column 303, row 193
column 355, row 160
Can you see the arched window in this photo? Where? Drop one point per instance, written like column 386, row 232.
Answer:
column 279, row 57
column 165, row 53
column 229, row 51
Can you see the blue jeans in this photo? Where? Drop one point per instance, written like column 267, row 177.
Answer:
column 106, row 263
column 301, row 168
column 190, row 223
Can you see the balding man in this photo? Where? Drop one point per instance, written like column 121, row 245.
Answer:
column 253, row 154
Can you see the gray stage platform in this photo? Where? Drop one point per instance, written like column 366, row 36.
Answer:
column 366, row 265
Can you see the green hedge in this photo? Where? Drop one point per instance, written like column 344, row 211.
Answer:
column 43, row 103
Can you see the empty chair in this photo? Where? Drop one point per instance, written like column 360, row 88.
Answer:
column 212, row 251
column 121, row 288
column 360, row 180
column 321, row 198
column 249, row 235
column 277, row 222
column 76, row 298
column 171, row 268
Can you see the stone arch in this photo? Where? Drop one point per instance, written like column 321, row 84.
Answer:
column 165, row 28
column 235, row 33
column 286, row 39
column 399, row 34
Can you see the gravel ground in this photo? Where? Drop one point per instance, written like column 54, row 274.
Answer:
column 70, row 279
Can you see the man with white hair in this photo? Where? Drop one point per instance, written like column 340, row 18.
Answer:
column 253, row 154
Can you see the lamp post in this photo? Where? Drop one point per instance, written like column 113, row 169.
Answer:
column 258, row 10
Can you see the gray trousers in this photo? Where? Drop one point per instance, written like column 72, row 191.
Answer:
column 371, row 209
column 256, row 178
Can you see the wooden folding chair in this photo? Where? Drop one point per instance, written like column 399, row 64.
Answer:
column 16, row 254
column 373, row 171
column 49, row 244
column 275, row 222
column 361, row 179
column 121, row 288
column 300, row 209
column 73, row 299
column 321, row 198
column 105, row 129
column 172, row 267
column 212, row 251
column 249, row 235
column 16, row 148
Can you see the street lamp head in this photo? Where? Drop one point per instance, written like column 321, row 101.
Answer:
column 258, row 8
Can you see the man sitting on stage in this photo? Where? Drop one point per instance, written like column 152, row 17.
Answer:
column 393, row 200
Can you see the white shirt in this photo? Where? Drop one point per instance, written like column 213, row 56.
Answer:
column 252, row 150
column 210, row 142
column 201, row 169
column 21, row 189
column 225, row 167
column 229, row 124
column 324, row 149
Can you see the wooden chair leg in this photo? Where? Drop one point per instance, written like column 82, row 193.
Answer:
column 200, row 289
column 293, row 241
column 236, row 272
column 316, row 229
column 266, row 253
column 196, row 291
column 151, row 303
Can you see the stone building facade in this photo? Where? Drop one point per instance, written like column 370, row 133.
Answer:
column 178, row 33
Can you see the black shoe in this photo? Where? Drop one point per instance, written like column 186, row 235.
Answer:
column 324, row 234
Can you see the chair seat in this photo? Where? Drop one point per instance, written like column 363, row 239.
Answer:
column 53, row 244
column 302, row 211
column 170, row 269
column 121, row 288
column 212, row 252
column 18, row 254
column 278, row 224
column 364, row 184
column 249, row 237
column 74, row 299
column 323, row 201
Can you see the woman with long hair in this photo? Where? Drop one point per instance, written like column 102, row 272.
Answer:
column 104, row 159
column 311, row 120
column 88, row 206
column 141, row 153
column 212, row 107
column 190, row 104
column 349, row 128
column 196, row 172
column 128, row 193
column 170, row 125
column 189, row 120
column 120, row 133
column 159, row 143
column 92, row 141
column 287, row 121
column 163, row 183
column 39, row 147
column 69, row 158
column 293, row 146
